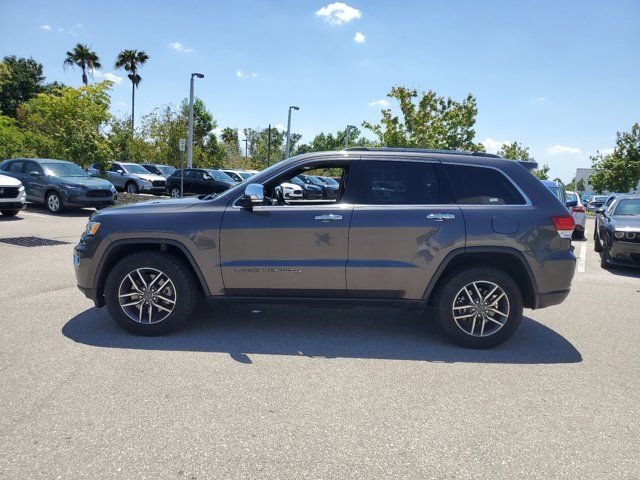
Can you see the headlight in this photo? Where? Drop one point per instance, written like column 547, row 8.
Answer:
column 72, row 186
column 92, row 228
column 21, row 188
column 619, row 234
column 630, row 235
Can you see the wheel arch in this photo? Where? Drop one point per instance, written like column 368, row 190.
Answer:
column 509, row 260
column 122, row 248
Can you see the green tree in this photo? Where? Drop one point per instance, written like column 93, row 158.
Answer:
column 619, row 171
column 69, row 123
column 14, row 141
column 515, row 151
column 580, row 185
column 85, row 58
column 542, row 173
column 131, row 61
column 433, row 122
column 328, row 142
column 20, row 80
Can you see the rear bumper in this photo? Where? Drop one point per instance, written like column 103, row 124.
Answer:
column 552, row 298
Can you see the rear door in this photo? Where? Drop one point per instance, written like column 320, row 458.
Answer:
column 34, row 184
column 404, row 223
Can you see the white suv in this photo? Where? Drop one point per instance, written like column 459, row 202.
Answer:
column 12, row 196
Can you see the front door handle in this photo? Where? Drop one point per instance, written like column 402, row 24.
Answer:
column 441, row 217
column 328, row 218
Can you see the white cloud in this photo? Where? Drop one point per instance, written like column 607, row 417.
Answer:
column 241, row 74
column 492, row 145
column 178, row 47
column 563, row 149
column 338, row 13
column 379, row 103
column 360, row 37
column 539, row 99
column 121, row 104
column 61, row 29
column 45, row 27
column 107, row 76
column 606, row 151
column 280, row 127
column 80, row 25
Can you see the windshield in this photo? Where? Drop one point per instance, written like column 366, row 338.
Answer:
column 63, row 170
column 629, row 206
column 221, row 176
column 315, row 180
column 598, row 199
column 134, row 168
column 245, row 175
column 331, row 181
column 572, row 197
column 166, row 169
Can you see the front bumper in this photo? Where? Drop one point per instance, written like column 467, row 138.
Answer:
column 80, row 199
column 624, row 253
column 154, row 190
column 15, row 203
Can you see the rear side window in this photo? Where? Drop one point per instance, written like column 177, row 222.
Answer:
column 481, row 186
column 399, row 183
column 16, row 167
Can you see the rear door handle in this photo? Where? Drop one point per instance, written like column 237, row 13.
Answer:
column 328, row 218
column 441, row 217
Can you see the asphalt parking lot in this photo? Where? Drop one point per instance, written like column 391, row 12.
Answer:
column 292, row 392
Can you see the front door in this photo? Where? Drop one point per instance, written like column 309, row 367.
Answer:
column 404, row 223
column 286, row 248
column 35, row 184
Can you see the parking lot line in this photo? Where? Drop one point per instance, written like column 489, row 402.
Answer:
column 582, row 258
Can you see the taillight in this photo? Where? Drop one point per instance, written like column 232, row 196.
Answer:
column 578, row 209
column 564, row 225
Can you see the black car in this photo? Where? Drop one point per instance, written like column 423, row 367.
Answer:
column 163, row 170
column 309, row 190
column 618, row 235
column 199, row 181
column 329, row 191
column 59, row 184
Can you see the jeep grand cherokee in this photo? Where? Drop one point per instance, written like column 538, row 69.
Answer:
column 474, row 236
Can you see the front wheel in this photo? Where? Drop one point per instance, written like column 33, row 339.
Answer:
column 175, row 192
column 54, row 202
column 605, row 256
column 132, row 188
column 150, row 293
column 479, row 307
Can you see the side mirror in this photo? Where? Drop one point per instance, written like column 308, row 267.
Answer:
column 253, row 195
column 600, row 210
column 34, row 173
column 121, row 172
column 571, row 203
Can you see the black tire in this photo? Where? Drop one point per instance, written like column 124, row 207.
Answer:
column 9, row 213
column 186, row 291
column 605, row 256
column 597, row 245
column 53, row 202
column 174, row 192
column 448, row 291
column 131, row 188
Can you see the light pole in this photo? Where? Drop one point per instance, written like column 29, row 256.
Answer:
column 289, row 130
column 246, row 148
column 346, row 135
column 190, row 142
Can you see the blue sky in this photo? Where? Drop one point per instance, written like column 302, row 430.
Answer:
column 559, row 76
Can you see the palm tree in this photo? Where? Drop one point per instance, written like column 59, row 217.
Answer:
column 83, row 57
column 131, row 60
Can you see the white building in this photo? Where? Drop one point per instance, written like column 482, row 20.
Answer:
column 584, row 174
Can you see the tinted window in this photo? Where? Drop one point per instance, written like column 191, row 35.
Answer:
column 190, row 174
column 16, row 167
column 32, row 167
column 572, row 197
column 201, row 175
column 399, row 183
column 481, row 186
column 64, row 170
column 628, row 207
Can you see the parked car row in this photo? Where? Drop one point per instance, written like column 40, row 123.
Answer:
column 617, row 232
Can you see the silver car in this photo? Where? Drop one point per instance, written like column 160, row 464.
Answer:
column 131, row 178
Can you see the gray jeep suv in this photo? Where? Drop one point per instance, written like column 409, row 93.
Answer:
column 473, row 236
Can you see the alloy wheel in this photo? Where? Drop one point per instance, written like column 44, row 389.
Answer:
column 147, row 295
column 481, row 308
column 132, row 188
column 175, row 193
column 53, row 202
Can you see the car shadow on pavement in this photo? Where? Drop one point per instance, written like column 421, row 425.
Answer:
column 632, row 272
column 374, row 333
column 75, row 212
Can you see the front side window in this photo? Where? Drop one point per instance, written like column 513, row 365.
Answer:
column 481, row 186
column 399, row 183
column 16, row 167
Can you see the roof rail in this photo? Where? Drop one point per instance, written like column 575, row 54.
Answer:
column 420, row 150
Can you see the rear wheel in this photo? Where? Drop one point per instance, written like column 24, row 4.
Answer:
column 175, row 192
column 54, row 202
column 9, row 213
column 479, row 307
column 150, row 293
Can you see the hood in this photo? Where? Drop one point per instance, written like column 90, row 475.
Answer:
column 626, row 222
column 151, row 206
column 6, row 181
column 149, row 177
column 93, row 183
